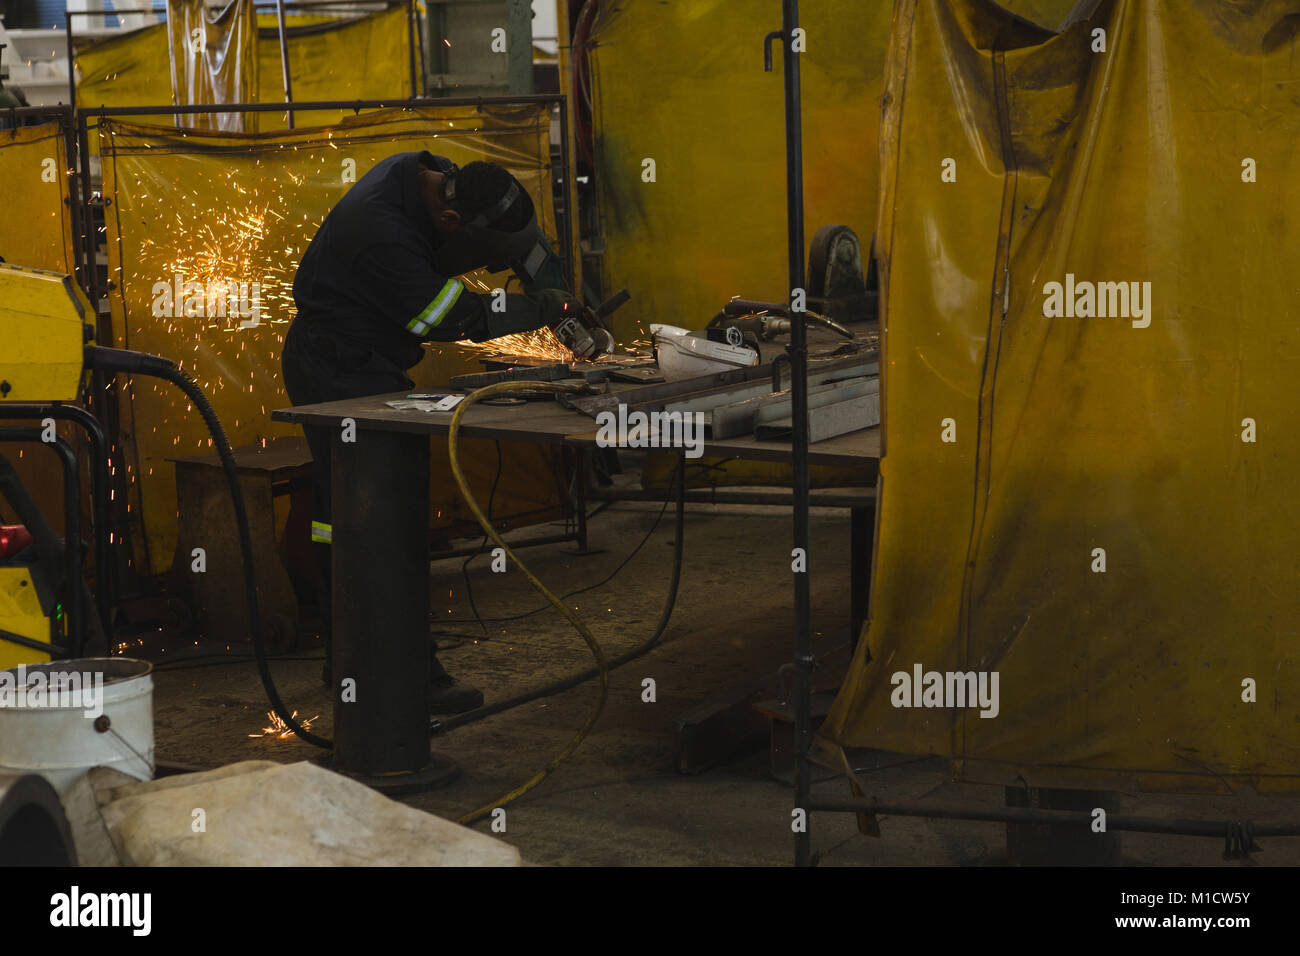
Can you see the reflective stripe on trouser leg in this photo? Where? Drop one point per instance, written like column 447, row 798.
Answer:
column 321, row 533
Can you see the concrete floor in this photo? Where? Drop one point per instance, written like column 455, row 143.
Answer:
column 618, row 800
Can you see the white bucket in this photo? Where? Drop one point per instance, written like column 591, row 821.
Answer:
column 63, row 718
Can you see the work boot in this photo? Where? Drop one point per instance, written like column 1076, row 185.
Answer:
column 448, row 695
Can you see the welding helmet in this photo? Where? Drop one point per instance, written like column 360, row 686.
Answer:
column 478, row 245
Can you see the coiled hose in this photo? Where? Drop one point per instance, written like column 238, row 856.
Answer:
column 453, row 453
column 140, row 363
column 603, row 667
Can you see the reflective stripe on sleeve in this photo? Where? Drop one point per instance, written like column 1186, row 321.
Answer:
column 322, row 533
column 436, row 310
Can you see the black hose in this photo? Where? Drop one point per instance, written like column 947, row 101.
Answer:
column 139, row 363
column 437, row 727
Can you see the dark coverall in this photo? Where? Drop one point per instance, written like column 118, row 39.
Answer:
column 368, row 293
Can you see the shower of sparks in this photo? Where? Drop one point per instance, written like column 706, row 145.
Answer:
column 278, row 728
column 540, row 343
column 215, row 244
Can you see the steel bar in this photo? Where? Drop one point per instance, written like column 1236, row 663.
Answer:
column 798, row 352
column 742, row 416
column 58, row 109
column 526, row 543
column 571, row 255
column 1114, row 821
column 838, row 418
column 265, row 4
column 284, row 58
column 72, row 71
column 861, row 521
column 409, row 103
column 729, row 386
column 410, row 46
column 715, row 496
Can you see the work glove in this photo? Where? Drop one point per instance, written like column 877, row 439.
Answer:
column 555, row 305
column 521, row 315
column 524, row 313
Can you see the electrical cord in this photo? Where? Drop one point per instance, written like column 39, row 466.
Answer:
column 602, row 668
column 140, row 363
column 454, row 456
column 583, row 590
column 438, row 727
column 464, row 568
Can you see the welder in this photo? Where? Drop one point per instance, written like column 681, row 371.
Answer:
column 380, row 277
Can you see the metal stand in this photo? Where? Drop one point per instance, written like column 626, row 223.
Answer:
column 105, row 591
column 798, row 352
column 380, row 514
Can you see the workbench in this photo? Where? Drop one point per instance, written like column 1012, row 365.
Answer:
column 380, row 517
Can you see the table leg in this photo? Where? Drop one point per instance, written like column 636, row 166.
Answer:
column 380, row 512
column 581, row 470
column 861, row 523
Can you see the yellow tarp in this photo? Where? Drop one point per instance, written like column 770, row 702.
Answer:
column 213, row 56
column 324, row 53
column 362, row 58
column 713, row 223
column 241, row 207
column 1112, row 529
column 35, row 219
column 129, row 69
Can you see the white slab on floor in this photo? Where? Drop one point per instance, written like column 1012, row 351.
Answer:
column 261, row 813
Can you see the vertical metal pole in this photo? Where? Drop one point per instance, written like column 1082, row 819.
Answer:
column 571, row 253
column 72, row 67
column 798, row 352
column 569, row 144
column 69, row 123
column 284, row 58
column 519, row 52
column 380, row 594
column 410, row 46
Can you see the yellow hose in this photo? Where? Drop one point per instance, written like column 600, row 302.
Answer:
column 453, row 453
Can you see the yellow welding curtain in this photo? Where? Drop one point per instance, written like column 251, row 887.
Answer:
column 232, row 208
column 1096, row 506
column 360, row 58
column 682, row 84
column 356, row 58
column 35, row 217
column 129, row 69
column 213, row 56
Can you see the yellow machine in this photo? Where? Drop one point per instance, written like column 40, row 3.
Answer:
column 43, row 330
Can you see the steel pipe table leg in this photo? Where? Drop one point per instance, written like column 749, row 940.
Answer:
column 380, row 547
column 861, row 523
